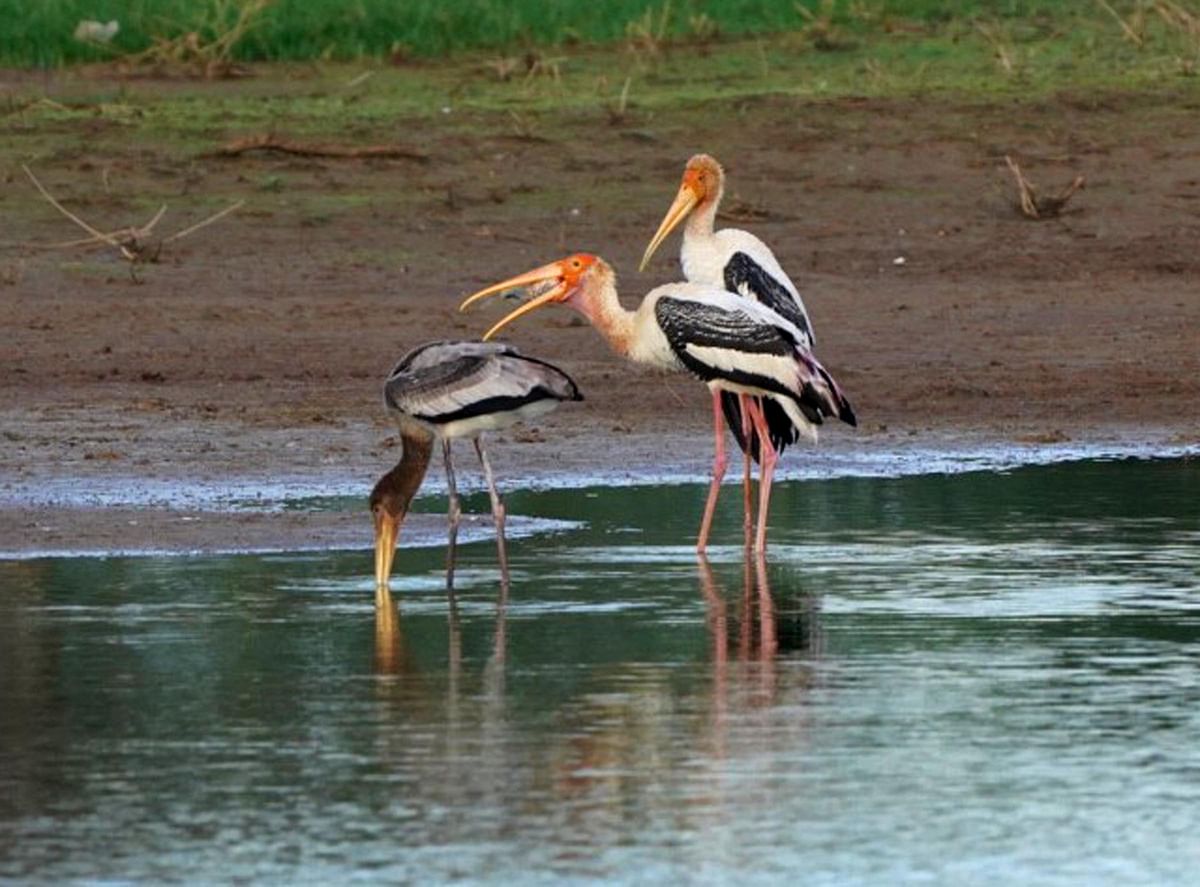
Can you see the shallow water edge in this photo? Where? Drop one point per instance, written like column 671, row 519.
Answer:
column 99, row 517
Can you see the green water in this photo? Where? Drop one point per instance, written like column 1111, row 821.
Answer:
column 980, row 678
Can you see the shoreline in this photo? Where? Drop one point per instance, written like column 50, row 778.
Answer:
column 271, row 515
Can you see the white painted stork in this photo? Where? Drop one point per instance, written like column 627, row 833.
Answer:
column 733, row 344
column 448, row 390
column 739, row 262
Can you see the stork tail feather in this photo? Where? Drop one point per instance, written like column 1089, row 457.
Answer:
column 783, row 430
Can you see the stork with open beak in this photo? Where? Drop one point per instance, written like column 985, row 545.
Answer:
column 447, row 390
column 733, row 344
column 739, row 262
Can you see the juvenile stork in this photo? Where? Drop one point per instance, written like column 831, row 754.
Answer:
column 733, row 344
column 737, row 261
column 447, row 390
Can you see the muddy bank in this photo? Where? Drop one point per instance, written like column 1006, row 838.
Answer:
column 257, row 350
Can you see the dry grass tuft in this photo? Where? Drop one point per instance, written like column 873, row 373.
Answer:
column 819, row 28
column 195, row 53
column 647, row 36
column 618, row 108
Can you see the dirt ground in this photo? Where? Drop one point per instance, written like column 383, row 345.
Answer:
column 256, row 348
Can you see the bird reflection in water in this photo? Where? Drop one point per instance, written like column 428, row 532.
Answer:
column 763, row 632
column 419, row 693
column 389, row 642
column 391, row 656
column 752, row 691
column 755, row 640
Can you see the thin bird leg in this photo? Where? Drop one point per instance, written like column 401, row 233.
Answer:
column 767, row 457
column 498, row 511
column 718, row 472
column 454, row 513
column 747, row 487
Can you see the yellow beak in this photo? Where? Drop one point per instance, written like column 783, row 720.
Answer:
column 685, row 202
column 551, row 272
column 387, row 531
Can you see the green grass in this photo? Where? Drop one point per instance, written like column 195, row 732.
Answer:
column 38, row 33
column 1013, row 57
column 421, row 104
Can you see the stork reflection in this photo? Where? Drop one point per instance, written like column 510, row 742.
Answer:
column 389, row 642
column 758, row 633
column 391, row 656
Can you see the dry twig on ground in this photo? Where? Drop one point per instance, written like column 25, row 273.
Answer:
column 132, row 243
column 271, row 142
column 1034, row 207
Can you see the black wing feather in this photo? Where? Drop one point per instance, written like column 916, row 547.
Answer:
column 685, row 323
column 497, row 405
column 690, row 323
column 743, row 271
column 707, row 326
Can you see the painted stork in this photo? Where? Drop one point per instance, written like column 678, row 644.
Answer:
column 733, row 344
column 737, row 261
column 448, row 390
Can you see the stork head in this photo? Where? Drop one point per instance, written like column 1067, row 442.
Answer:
column 387, row 512
column 564, row 278
column 703, row 181
column 391, row 498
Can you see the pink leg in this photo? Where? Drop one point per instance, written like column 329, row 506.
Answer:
column 747, row 487
column 718, row 472
column 767, row 457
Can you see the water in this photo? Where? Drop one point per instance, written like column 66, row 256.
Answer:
column 980, row 678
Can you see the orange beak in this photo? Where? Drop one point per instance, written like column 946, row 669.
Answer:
column 565, row 284
column 685, row 201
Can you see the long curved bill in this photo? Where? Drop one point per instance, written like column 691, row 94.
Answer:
column 387, row 529
column 685, row 202
column 551, row 272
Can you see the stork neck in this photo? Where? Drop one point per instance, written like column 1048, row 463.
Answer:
column 598, row 302
column 398, row 486
column 703, row 218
